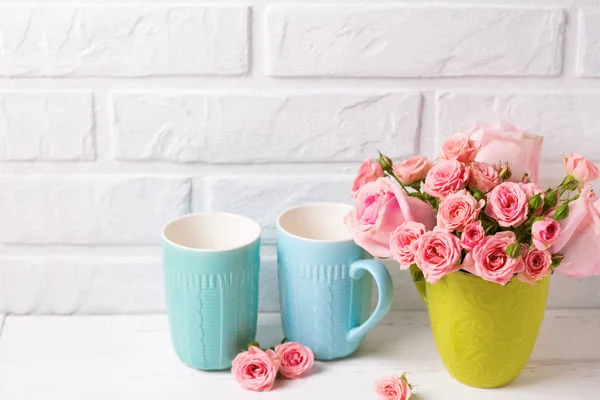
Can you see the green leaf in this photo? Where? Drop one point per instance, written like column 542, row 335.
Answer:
column 514, row 250
column 561, row 212
column 478, row 194
column 536, row 202
column 415, row 185
column 254, row 343
column 550, row 199
column 556, row 260
column 418, row 276
column 569, row 183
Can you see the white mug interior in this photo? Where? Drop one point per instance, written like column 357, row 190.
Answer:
column 211, row 231
column 316, row 221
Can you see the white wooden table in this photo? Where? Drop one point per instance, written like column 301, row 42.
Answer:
column 130, row 357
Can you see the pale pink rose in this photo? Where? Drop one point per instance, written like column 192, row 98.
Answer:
column 403, row 242
column 505, row 143
column 296, row 359
column 459, row 147
column 379, row 208
column 472, row 235
column 458, row 210
column 531, row 189
column 412, row 169
column 537, row 265
column 507, row 204
column 438, row 253
column 446, row 177
column 255, row 369
column 545, row 233
column 369, row 171
column 580, row 236
column 489, row 260
column 581, row 168
column 393, row 388
column 483, row 176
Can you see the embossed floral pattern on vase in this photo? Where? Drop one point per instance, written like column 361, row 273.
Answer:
column 485, row 332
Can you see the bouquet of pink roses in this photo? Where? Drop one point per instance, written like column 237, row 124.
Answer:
column 479, row 209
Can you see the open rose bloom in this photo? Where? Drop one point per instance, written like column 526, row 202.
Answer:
column 478, row 209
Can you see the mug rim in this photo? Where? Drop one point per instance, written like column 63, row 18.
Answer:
column 199, row 214
column 312, row 204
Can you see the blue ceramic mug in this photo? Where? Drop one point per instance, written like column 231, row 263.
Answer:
column 211, row 264
column 325, row 281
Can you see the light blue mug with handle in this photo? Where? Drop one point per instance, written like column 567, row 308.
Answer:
column 211, row 265
column 325, row 281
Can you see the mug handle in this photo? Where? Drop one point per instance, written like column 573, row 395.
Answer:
column 386, row 295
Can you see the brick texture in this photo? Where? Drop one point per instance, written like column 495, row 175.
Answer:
column 116, row 117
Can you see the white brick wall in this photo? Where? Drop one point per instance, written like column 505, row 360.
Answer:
column 115, row 118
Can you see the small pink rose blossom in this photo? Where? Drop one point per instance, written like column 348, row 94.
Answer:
column 369, row 171
column 505, row 143
column 393, row 388
column 531, row 189
column 579, row 237
column 403, row 242
column 379, row 208
column 472, row 235
column 483, row 177
column 507, row 204
column 581, row 168
column 412, row 169
column 445, row 178
column 458, row 210
column 537, row 265
column 489, row 260
column 545, row 233
column 255, row 369
column 296, row 359
column 459, row 147
column 438, row 253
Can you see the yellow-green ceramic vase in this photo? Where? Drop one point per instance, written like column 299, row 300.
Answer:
column 484, row 332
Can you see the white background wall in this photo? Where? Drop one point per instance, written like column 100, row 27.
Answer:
column 116, row 117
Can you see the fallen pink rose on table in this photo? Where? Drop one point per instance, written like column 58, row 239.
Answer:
column 256, row 369
column 296, row 359
column 393, row 388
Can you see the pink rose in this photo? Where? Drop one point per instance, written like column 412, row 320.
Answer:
column 369, row 171
column 472, row 235
column 296, row 359
column 412, row 169
column 489, row 260
column 581, row 168
column 579, row 237
column 458, row 210
column 545, row 233
column 255, row 369
column 379, row 208
column 537, row 266
column 437, row 255
column 459, row 147
column 393, row 388
column 531, row 189
column 403, row 242
column 483, row 176
column 507, row 204
column 446, row 177
column 506, row 143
